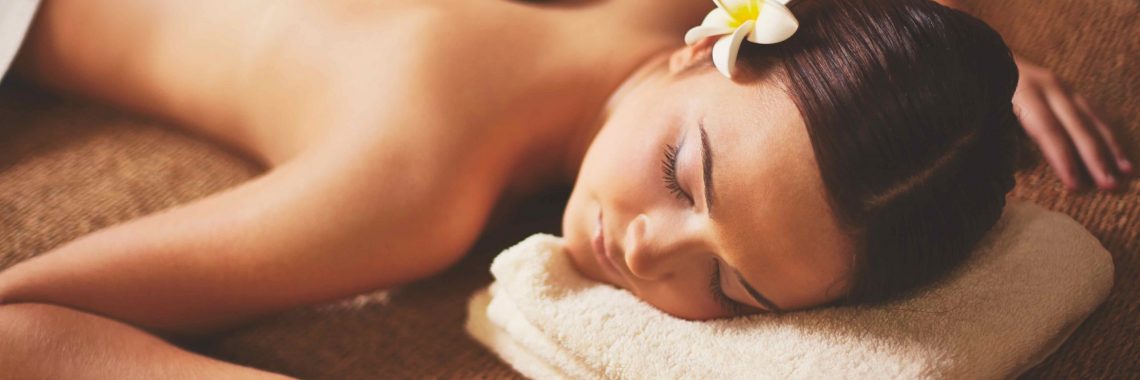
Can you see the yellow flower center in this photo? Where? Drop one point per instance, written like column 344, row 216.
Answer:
column 742, row 11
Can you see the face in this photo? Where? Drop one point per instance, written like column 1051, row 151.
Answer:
column 702, row 197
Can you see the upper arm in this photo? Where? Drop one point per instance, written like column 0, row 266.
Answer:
column 335, row 221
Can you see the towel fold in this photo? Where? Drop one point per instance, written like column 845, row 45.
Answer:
column 1028, row 285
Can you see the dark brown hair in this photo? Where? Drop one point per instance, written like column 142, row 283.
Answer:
column 908, row 107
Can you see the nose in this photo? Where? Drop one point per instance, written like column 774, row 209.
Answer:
column 655, row 249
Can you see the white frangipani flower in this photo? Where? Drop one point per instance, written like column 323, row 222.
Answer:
column 760, row 21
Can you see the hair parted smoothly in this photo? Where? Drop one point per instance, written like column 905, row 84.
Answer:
column 908, row 107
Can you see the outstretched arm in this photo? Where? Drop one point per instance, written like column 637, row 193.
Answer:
column 54, row 342
column 343, row 218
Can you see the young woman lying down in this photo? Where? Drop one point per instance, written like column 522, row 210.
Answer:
column 728, row 157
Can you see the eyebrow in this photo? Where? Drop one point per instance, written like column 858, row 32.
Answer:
column 771, row 306
column 707, row 165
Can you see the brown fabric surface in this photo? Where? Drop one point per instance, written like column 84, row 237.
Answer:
column 68, row 168
column 1095, row 47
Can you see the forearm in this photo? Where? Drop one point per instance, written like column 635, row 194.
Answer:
column 52, row 342
column 322, row 227
column 185, row 273
column 158, row 288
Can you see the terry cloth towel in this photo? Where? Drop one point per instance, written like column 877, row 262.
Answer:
column 15, row 17
column 1029, row 284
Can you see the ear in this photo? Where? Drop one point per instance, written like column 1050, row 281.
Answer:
column 690, row 55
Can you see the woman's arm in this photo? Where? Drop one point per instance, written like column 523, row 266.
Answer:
column 54, row 342
column 346, row 217
column 1072, row 137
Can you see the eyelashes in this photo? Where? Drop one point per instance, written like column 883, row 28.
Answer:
column 669, row 169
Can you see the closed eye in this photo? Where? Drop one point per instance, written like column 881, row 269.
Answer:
column 669, row 168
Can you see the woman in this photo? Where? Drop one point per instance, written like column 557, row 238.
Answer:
column 392, row 128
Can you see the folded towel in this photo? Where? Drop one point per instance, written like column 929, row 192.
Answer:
column 1029, row 284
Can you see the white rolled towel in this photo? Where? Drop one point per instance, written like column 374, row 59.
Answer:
column 1028, row 285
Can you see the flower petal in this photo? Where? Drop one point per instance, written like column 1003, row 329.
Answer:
column 728, row 47
column 701, row 32
column 719, row 18
column 775, row 24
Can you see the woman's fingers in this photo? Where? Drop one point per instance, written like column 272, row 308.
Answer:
column 1090, row 145
column 1073, row 139
column 1109, row 136
column 1044, row 128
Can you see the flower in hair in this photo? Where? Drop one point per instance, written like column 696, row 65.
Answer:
column 758, row 21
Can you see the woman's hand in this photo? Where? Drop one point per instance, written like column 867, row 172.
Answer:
column 1072, row 137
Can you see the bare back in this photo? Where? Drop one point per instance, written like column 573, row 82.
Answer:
column 271, row 77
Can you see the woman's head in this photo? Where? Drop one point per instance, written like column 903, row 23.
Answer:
column 858, row 160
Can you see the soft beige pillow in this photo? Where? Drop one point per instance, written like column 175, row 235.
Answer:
column 1028, row 286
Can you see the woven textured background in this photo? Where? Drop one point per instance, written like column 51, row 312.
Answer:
column 1095, row 46
column 68, row 168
